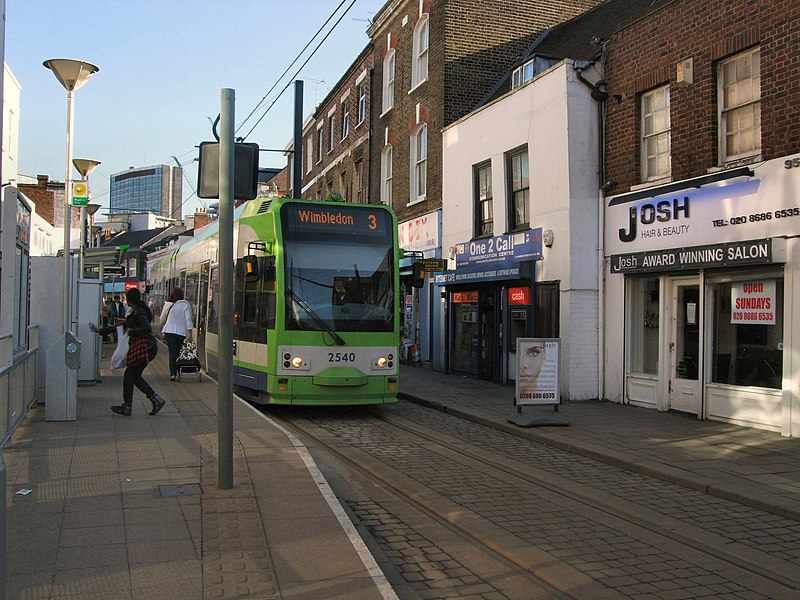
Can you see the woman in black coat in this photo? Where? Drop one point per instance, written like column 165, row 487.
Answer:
column 137, row 325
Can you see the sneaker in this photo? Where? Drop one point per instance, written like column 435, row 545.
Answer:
column 158, row 403
column 173, row 377
column 122, row 409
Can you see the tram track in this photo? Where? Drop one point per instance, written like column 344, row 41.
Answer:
column 402, row 523
column 602, row 546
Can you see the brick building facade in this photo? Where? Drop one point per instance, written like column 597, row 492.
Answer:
column 705, row 32
column 702, row 214
column 336, row 138
column 470, row 45
column 49, row 198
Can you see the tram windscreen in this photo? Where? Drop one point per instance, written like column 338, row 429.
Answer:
column 339, row 268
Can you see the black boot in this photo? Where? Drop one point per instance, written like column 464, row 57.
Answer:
column 158, row 403
column 122, row 409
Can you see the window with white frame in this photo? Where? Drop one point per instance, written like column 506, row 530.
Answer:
column 386, row 175
column 518, row 188
column 331, row 132
column 419, row 163
column 739, row 105
column 345, row 119
column 522, row 74
column 320, row 144
column 388, row 80
column 482, row 182
column 419, row 68
column 309, row 153
column 362, row 103
column 655, row 141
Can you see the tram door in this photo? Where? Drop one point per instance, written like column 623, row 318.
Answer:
column 202, row 312
column 685, row 393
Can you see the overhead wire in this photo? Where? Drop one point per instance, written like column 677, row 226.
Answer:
column 322, row 41
column 261, row 102
column 277, row 81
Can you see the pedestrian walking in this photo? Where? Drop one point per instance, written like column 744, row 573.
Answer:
column 142, row 349
column 176, row 325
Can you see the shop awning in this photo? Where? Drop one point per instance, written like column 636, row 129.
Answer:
column 490, row 272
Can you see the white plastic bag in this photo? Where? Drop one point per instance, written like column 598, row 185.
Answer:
column 121, row 351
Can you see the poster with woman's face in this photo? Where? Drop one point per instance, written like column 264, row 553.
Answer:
column 537, row 371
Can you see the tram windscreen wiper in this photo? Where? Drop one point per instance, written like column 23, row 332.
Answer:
column 317, row 319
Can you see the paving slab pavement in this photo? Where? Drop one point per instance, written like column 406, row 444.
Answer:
column 752, row 466
column 130, row 507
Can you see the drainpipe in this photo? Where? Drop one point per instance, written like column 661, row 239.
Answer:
column 369, row 138
column 599, row 95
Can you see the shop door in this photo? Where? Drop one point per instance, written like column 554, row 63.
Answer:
column 685, row 390
column 464, row 357
column 489, row 340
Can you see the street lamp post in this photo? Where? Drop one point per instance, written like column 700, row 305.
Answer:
column 64, row 356
column 90, row 210
column 84, row 167
column 72, row 74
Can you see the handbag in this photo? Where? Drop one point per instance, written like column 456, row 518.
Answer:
column 121, row 351
column 137, row 351
column 187, row 357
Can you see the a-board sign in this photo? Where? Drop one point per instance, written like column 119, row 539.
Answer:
column 537, row 371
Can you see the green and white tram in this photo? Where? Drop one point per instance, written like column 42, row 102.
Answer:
column 316, row 292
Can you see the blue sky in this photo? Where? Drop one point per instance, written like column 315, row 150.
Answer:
column 162, row 66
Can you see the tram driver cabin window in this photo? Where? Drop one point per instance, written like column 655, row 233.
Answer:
column 747, row 347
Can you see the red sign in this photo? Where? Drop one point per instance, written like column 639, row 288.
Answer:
column 519, row 295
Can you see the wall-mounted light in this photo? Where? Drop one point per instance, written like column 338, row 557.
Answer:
column 547, row 237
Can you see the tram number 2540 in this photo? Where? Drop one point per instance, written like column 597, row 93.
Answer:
column 341, row 357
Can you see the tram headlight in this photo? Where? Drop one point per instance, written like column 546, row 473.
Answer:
column 385, row 361
column 297, row 362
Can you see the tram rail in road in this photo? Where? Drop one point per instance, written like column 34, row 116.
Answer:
column 457, row 507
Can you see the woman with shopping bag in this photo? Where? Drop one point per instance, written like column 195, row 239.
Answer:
column 176, row 326
column 142, row 348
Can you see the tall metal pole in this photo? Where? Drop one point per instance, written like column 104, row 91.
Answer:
column 83, row 242
column 225, row 388
column 66, row 319
column 297, row 158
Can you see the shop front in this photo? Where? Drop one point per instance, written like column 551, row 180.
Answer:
column 420, row 238
column 489, row 304
column 707, row 272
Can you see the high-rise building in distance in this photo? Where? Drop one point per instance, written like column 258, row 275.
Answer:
column 157, row 189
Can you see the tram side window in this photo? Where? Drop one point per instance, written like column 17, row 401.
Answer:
column 266, row 305
column 190, row 293
column 213, row 324
column 748, row 333
column 246, row 306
